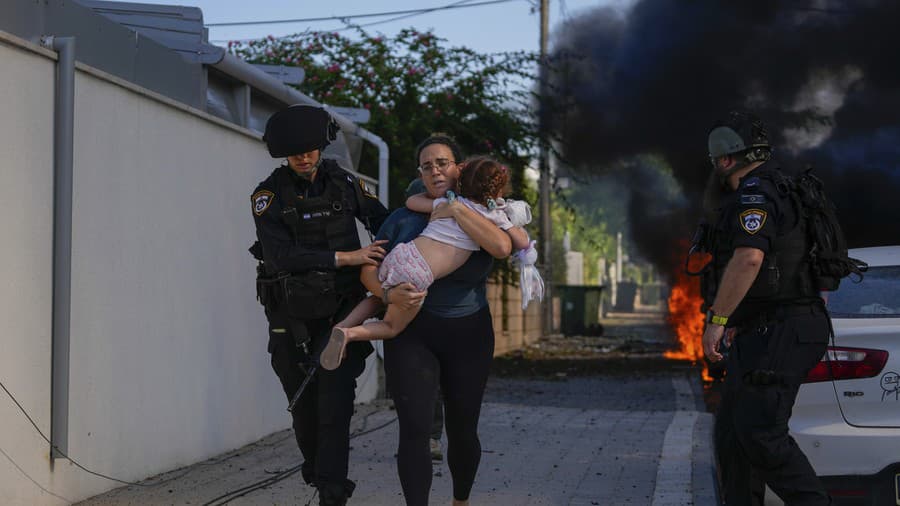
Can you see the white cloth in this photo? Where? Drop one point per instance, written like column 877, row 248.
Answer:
column 530, row 281
column 518, row 211
column 448, row 231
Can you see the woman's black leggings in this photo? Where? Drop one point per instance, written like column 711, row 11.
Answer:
column 455, row 353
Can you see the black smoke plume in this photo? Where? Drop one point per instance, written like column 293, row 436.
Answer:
column 823, row 74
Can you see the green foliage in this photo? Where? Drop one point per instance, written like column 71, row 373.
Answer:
column 588, row 218
column 414, row 85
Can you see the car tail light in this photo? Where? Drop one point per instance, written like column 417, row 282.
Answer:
column 841, row 363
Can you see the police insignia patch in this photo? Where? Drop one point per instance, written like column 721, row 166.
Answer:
column 365, row 189
column 752, row 220
column 261, row 201
column 750, row 182
column 753, row 199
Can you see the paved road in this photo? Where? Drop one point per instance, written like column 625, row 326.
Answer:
column 592, row 433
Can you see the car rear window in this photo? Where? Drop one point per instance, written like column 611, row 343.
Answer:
column 876, row 296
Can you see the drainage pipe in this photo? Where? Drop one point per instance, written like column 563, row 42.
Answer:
column 63, row 133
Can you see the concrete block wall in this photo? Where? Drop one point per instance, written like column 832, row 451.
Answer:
column 514, row 328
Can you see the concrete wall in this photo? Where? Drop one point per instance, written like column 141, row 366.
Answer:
column 26, row 170
column 514, row 328
column 168, row 356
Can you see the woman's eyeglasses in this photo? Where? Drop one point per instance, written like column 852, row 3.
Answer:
column 440, row 163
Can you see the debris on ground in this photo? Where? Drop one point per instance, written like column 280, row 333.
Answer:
column 632, row 344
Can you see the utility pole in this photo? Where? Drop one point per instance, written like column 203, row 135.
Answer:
column 544, row 167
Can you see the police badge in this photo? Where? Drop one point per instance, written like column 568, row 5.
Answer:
column 261, row 201
column 752, row 220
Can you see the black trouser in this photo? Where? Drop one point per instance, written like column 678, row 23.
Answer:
column 437, row 423
column 321, row 417
column 455, row 353
column 767, row 361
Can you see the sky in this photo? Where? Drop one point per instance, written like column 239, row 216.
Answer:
column 509, row 26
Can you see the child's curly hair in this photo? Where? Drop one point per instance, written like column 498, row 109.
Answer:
column 482, row 178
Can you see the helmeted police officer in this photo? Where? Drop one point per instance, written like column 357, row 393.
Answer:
column 766, row 306
column 305, row 214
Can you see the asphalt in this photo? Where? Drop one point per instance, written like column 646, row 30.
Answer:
column 568, row 421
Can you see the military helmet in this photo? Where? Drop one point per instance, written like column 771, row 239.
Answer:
column 741, row 131
column 299, row 129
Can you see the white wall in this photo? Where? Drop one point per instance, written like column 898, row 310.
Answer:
column 26, row 232
column 168, row 344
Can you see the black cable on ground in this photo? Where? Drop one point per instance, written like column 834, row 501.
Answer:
column 228, row 496
column 231, row 495
column 75, row 462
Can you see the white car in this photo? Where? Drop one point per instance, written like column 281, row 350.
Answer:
column 849, row 424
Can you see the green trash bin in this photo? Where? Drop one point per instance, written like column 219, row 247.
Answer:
column 580, row 309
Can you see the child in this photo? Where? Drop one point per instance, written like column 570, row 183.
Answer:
column 439, row 250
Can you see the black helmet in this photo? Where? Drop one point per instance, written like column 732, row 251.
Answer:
column 299, row 129
column 740, row 132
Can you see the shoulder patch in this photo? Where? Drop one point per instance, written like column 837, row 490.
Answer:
column 753, row 199
column 750, row 182
column 261, row 201
column 752, row 220
column 365, row 190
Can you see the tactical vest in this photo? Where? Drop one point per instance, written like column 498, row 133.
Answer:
column 785, row 274
column 324, row 222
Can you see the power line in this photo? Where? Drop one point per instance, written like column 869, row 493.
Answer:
column 398, row 18
column 457, row 5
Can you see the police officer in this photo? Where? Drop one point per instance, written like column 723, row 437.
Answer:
column 766, row 307
column 305, row 214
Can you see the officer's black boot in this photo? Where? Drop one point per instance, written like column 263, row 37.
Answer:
column 335, row 494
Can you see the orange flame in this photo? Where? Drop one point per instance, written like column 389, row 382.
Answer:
column 686, row 320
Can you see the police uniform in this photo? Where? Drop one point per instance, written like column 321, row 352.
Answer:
column 300, row 224
column 779, row 330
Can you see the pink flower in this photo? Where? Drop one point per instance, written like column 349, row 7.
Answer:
column 376, row 40
column 333, row 68
column 327, row 93
column 270, row 37
column 270, row 53
column 367, row 106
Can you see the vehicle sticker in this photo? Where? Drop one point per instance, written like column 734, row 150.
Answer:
column 261, row 201
column 890, row 383
column 897, row 488
column 752, row 220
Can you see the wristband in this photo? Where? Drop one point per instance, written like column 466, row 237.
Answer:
column 336, row 260
column 716, row 319
column 384, row 295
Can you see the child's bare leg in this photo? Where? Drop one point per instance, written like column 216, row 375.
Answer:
column 367, row 308
column 395, row 320
column 333, row 353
